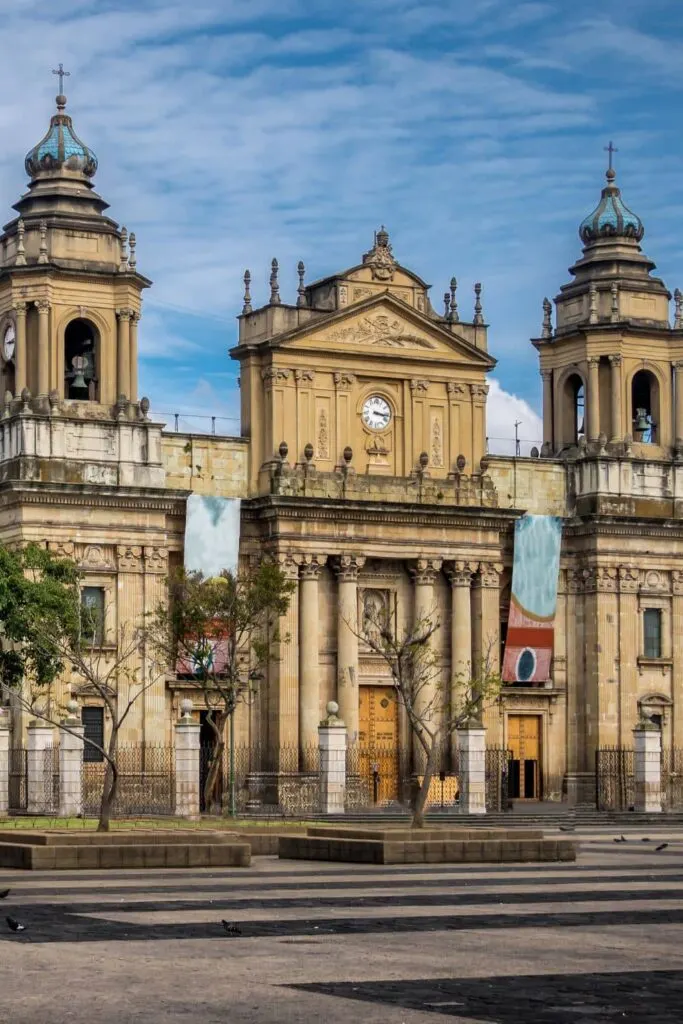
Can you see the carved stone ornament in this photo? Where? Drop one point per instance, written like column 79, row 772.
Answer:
column 377, row 445
column 273, row 375
column 574, row 581
column 436, row 456
column 380, row 258
column 425, row 571
column 380, row 330
column 454, row 388
column 288, row 563
column 362, row 293
column 343, row 381
column 374, row 610
column 461, row 572
column 304, row 377
column 419, row 386
column 62, row 548
column 655, row 582
column 129, row 559
column 156, row 559
column 489, row 574
column 311, row 566
column 677, row 581
column 96, row 556
column 479, row 390
column 323, row 436
column 600, row 579
column 347, row 566
column 629, row 579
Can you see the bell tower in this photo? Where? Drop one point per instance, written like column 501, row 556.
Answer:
column 70, row 291
column 611, row 362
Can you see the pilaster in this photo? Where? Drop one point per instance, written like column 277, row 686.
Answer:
column 347, row 568
column 309, row 663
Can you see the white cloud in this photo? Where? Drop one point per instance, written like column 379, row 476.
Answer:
column 503, row 410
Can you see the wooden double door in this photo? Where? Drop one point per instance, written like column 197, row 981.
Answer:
column 524, row 742
column 378, row 742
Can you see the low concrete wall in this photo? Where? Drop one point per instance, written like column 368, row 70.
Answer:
column 368, row 851
column 46, row 852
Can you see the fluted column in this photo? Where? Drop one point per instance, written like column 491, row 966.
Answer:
column 617, row 432
column 678, row 398
column 547, row 377
column 428, row 700
column 43, row 307
column 20, row 378
column 486, row 626
column 461, row 637
column 347, row 568
column 134, row 320
column 593, row 398
column 309, row 667
column 123, row 353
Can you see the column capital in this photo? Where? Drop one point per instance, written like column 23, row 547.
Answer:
column 629, row 579
column 546, row 374
column 129, row 558
column 677, row 581
column 678, row 365
column 479, row 390
column 592, row 362
column 425, row 570
column 42, row 305
column 20, row 308
column 455, row 388
column 347, row 567
column 125, row 314
column 311, row 565
column 343, row 381
column 615, row 360
column 156, row 559
column 419, row 385
column 460, row 573
column 288, row 563
column 489, row 574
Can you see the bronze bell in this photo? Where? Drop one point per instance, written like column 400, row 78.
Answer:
column 78, row 382
column 642, row 423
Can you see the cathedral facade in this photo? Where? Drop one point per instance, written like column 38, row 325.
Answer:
column 362, row 467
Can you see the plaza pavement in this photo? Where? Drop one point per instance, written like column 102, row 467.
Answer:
column 596, row 941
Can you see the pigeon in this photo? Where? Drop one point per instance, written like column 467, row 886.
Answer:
column 645, row 839
column 4, row 894
column 15, row 926
column 567, row 828
column 662, row 846
column 620, row 839
column 231, row 929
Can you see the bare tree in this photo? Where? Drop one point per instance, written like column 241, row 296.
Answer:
column 434, row 709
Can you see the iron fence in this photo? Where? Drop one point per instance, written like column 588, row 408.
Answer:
column 614, row 778
column 282, row 780
column 48, row 799
column 18, row 779
column 497, row 770
column 672, row 778
column 146, row 782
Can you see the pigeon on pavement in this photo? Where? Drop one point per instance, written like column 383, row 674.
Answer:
column 15, row 926
column 231, row 929
column 4, row 894
column 662, row 846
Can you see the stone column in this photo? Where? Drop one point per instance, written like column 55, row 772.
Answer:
column 461, row 637
column 309, row 668
column 647, row 740
column 133, row 362
column 20, row 377
column 43, row 307
column 187, row 763
column 547, row 377
column 332, row 742
column 347, row 568
column 617, row 431
column 39, row 779
column 593, row 398
column 472, row 771
column 486, row 631
column 283, row 702
column 123, row 352
column 4, row 764
column 678, row 398
column 71, row 764
column 428, row 700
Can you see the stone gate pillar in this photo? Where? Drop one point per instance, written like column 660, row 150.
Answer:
column 71, row 764
column 187, row 763
column 38, row 785
column 332, row 740
column 647, row 741
column 472, row 770
column 4, row 764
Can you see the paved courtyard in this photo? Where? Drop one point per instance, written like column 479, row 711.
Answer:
column 596, row 941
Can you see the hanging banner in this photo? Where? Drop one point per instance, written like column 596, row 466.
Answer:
column 535, row 571
column 212, row 534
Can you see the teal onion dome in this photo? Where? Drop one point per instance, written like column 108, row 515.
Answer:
column 60, row 148
column 611, row 218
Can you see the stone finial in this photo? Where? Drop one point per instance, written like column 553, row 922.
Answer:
column 614, row 314
column 331, row 718
column 453, row 308
column 9, row 398
column 478, row 314
column 42, row 254
column 25, row 399
column 246, row 307
column 308, row 452
column 423, row 460
column 20, row 260
column 547, row 329
column 301, row 290
column 348, row 454
column 460, row 463
column 678, row 305
column 446, row 304
column 132, row 242
column 123, row 239
column 144, row 407
column 274, row 285
column 283, row 451
column 593, row 304
column 186, row 709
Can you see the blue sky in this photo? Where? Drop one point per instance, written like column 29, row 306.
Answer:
column 229, row 132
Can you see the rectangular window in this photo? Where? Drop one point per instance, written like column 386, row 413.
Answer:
column 92, row 615
column 93, row 729
column 652, row 622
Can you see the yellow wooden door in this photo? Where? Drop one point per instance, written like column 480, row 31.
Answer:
column 378, row 760
column 524, row 742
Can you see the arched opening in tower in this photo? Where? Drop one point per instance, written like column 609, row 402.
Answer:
column 645, row 407
column 574, row 409
column 81, row 346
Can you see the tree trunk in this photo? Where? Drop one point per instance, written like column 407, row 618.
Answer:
column 111, row 784
column 421, row 799
column 211, row 802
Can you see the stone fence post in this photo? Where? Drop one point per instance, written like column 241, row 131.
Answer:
column 647, row 741
column 332, row 745
column 4, row 764
column 39, row 780
column 187, row 763
column 472, row 770
column 71, row 764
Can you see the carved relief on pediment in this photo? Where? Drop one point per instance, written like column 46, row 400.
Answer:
column 379, row 330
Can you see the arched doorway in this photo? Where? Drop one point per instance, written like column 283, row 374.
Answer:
column 645, row 407
column 81, row 361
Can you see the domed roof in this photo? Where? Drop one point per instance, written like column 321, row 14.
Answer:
column 612, row 217
column 60, row 148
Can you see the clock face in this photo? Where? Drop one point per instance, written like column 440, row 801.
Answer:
column 8, row 342
column 376, row 413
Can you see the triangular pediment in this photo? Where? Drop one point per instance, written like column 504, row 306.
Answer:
column 384, row 325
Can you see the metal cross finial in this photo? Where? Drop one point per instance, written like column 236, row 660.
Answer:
column 611, row 149
column 62, row 75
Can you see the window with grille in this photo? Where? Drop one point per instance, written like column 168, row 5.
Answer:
column 93, row 729
column 652, row 621
column 92, row 615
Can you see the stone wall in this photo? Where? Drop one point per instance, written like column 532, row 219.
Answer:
column 205, row 464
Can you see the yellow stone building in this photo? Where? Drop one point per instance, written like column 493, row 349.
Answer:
column 362, row 467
